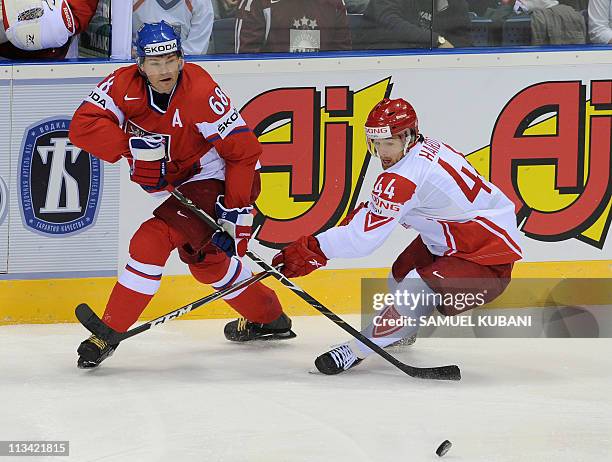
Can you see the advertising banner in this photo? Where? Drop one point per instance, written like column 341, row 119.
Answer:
column 64, row 203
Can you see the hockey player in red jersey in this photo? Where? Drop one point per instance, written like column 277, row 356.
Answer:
column 467, row 231
column 176, row 126
column 42, row 28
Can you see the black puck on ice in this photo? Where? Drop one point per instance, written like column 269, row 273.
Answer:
column 444, row 448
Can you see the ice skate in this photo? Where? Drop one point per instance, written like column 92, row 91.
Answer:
column 93, row 351
column 337, row 360
column 243, row 330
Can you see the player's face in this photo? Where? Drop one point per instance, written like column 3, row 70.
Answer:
column 390, row 150
column 162, row 71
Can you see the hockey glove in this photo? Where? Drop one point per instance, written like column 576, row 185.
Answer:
column 149, row 162
column 301, row 257
column 237, row 225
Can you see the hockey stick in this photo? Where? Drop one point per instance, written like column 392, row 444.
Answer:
column 436, row 373
column 92, row 322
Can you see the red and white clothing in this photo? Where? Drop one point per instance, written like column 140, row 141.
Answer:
column 467, row 244
column 288, row 26
column 210, row 151
column 42, row 29
column 206, row 137
column 435, row 191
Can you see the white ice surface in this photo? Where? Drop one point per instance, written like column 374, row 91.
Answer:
column 181, row 392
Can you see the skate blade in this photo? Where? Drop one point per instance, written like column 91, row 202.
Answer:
column 277, row 336
column 87, row 364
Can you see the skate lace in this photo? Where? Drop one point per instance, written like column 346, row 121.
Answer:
column 343, row 356
column 98, row 342
column 242, row 324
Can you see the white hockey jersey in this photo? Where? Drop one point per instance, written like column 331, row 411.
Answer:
column 435, row 191
column 193, row 18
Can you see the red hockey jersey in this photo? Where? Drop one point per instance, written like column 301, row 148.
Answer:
column 206, row 137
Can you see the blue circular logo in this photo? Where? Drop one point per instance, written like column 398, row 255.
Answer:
column 59, row 183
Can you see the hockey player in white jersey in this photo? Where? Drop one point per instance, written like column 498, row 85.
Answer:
column 467, row 230
column 191, row 19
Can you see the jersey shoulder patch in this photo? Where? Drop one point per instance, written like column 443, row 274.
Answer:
column 109, row 93
column 219, row 117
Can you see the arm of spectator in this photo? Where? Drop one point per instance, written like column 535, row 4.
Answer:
column 82, row 12
column 252, row 25
column 342, row 31
column 200, row 29
column 599, row 21
column 388, row 16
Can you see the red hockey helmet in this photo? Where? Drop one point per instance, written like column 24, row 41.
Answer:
column 392, row 117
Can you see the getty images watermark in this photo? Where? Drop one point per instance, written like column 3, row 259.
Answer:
column 405, row 303
column 488, row 308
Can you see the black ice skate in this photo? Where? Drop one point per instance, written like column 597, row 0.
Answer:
column 339, row 359
column 243, row 330
column 93, row 351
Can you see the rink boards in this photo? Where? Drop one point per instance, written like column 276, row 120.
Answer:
column 538, row 124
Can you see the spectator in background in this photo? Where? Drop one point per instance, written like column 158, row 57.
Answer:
column 43, row 32
column 552, row 23
column 412, row 24
column 225, row 8
column 292, row 26
column 600, row 21
column 192, row 19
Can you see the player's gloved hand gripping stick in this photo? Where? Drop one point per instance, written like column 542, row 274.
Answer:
column 152, row 148
column 236, row 230
column 437, row 373
column 148, row 166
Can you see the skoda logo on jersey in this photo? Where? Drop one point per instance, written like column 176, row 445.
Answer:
column 3, row 200
column 59, row 183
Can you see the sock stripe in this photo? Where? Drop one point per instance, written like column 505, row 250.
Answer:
column 138, row 283
column 155, row 277
column 145, row 268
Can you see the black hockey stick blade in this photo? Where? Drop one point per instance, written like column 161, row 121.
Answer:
column 92, row 322
column 432, row 373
